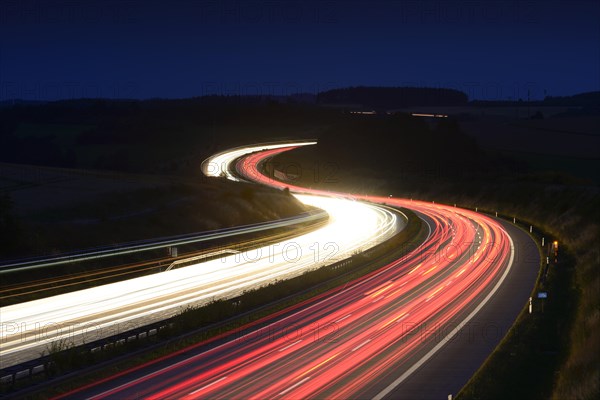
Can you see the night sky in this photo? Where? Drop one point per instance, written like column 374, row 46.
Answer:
column 142, row 49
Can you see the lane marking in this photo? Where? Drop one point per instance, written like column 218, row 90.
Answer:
column 402, row 317
column 414, row 269
column 294, row 386
column 209, row 385
column 449, row 337
column 320, row 364
column 361, row 345
column 290, row 345
column 343, row 318
column 429, row 270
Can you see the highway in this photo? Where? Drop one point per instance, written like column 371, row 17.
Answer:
column 211, row 244
column 91, row 314
column 220, row 165
column 416, row 328
column 150, row 244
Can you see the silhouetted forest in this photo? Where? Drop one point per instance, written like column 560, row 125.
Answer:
column 393, row 97
column 403, row 145
column 588, row 100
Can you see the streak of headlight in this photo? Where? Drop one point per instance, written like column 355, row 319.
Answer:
column 28, row 327
column 219, row 165
column 377, row 320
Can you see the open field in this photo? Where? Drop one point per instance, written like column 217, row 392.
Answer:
column 60, row 209
column 562, row 141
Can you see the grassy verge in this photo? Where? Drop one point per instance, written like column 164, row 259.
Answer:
column 525, row 363
column 195, row 325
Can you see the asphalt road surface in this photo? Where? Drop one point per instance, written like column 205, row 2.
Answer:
column 417, row 328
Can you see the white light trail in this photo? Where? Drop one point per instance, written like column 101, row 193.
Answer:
column 26, row 329
column 219, row 165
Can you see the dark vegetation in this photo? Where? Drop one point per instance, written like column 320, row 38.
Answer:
column 10, row 228
column 146, row 213
column 392, row 97
column 389, row 147
column 589, row 101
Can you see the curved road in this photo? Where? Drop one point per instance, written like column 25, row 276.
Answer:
column 87, row 315
column 416, row 328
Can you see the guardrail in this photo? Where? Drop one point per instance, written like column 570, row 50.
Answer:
column 154, row 244
column 201, row 257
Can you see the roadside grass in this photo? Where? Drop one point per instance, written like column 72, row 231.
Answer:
column 118, row 215
column 527, row 361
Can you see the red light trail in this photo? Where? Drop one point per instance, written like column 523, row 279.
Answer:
column 351, row 340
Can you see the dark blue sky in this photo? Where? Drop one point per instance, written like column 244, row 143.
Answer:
column 141, row 49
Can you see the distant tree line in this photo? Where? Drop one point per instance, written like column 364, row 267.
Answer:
column 393, row 97
column 588, row 100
